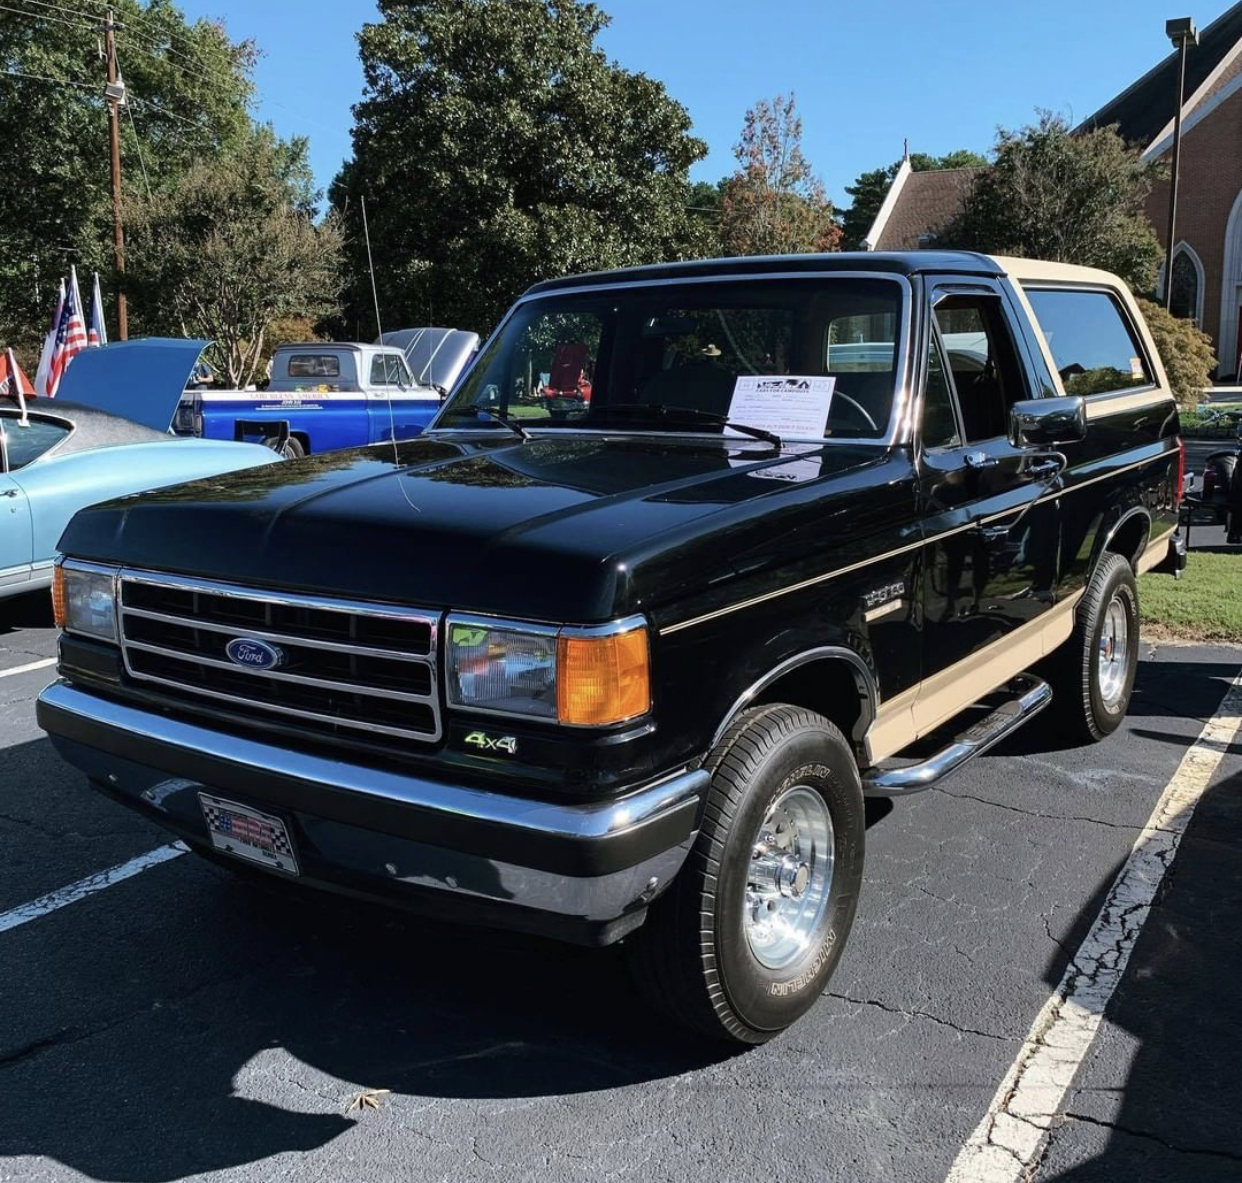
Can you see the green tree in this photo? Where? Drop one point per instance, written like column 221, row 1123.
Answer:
column 1050, row 194
column 705, row 199
column 867, row 193
column 496, row 145
column 1185, row 350
column 774, row 204
column 229, row 249
column 189, row 88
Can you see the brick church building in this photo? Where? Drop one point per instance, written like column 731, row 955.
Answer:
column 1207, row 263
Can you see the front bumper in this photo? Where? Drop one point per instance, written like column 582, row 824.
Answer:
column 580, row 872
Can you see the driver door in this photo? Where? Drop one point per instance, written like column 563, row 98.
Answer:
column 992, row 553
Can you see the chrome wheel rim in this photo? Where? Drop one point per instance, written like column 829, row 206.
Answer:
column 1114, row 657
column 790, row 878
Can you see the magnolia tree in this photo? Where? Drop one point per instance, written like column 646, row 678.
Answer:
column 496, row 145
column 774, row 204
column 231, row 249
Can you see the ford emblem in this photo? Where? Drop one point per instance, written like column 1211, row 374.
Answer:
column 253, row 654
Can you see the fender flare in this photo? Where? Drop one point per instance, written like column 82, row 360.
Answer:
column 864, row 680
column 1132, row 512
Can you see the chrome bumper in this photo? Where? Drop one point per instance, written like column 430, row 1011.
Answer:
column 593, row 862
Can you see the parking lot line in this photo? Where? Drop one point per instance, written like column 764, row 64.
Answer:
column 88, row 886
column 1005, row 1145
column 30, row 665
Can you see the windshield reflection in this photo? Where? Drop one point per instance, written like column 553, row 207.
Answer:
column 677, row 358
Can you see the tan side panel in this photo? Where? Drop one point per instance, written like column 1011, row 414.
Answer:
column 905, row 718
column 1156, row 550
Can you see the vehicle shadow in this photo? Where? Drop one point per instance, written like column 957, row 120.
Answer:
column 177, row 1076
column 197, row 1019
column 1176, row 1114
column 1190, row 689
column 27, row 610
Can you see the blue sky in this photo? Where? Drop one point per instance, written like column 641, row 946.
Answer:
column 865, row 74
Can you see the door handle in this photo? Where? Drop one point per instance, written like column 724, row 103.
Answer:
column 980, row 460
column 10, row 492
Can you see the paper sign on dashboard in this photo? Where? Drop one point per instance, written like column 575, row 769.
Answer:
column 794, row 406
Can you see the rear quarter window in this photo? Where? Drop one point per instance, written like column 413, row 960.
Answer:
column 26, row 444
column 1092, row 342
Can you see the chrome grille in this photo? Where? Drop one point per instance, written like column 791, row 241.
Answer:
column 345, row 664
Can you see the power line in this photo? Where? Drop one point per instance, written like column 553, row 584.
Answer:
column 47, row 78
column 153, row 35
column 39, row 16
column 144, row 42
column 129, row 107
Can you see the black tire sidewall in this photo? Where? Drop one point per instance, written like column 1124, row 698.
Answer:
column 769, row 1000
column 1119, row 583
column 291, row 449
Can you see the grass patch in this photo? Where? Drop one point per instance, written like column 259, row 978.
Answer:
column 1204, row 605
column 1196, row 420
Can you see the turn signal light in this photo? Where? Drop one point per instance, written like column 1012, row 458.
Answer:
column 58, row 595
column 602, row 680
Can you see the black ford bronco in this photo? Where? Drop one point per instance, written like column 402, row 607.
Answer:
column 825, row 526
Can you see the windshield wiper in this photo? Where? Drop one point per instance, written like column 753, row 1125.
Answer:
column 663, row 411
column 504, row 421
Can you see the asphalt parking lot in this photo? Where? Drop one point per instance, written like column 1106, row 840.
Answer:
column 183, row 1022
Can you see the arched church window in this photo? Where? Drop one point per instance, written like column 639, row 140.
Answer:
column 1184, row 301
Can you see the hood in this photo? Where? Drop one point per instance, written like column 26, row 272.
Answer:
column 576, row 529
column 142, row 381
column 436, row 357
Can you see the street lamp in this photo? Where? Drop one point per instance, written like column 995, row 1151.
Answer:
column 1182, row 32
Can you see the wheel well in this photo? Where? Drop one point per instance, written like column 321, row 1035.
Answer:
column 302, row 439
column 1129, row 538
column 829, row 687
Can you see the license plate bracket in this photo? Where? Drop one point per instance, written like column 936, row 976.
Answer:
column 249, row 833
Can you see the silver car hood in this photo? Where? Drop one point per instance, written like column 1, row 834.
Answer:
column 436, row 357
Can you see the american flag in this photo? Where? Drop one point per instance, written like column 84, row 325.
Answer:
column 71, row 336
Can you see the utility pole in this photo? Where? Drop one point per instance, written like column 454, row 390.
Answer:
column 115, row 94
column 1182, row 33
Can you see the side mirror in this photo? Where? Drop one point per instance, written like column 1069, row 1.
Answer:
column 1047, row 422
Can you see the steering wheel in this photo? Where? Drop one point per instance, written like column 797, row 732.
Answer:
column 858, row 407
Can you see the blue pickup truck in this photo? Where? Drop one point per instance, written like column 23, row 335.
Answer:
column 324, row 395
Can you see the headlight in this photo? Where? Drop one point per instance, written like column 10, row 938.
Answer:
column 84, row 599
column 500, row 668
column 580, row 676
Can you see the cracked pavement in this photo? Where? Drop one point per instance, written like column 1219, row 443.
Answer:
column 190, row 1023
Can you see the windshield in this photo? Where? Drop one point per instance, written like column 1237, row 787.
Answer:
column 805, row 358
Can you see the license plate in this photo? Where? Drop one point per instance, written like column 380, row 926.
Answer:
column 249, row 834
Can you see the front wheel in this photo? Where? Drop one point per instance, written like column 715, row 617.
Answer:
column 1093, row 676
column 746, row 938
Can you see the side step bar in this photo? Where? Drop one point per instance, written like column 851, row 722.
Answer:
column 1030, row 696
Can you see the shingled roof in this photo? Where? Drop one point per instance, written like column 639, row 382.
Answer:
column 1142, row 111
column 919, row 204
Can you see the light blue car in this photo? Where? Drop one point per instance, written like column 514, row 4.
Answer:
column 105, row 434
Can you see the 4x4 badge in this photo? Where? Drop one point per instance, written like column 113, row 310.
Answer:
column 492, row 743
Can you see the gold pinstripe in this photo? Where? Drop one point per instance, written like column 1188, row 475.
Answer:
column 816, row 579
